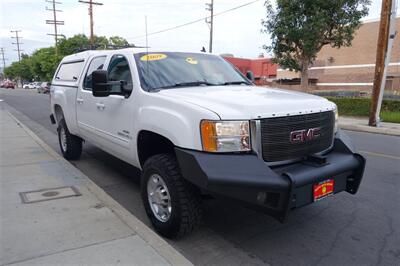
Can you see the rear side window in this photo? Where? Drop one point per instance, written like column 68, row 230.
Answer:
column 97, row 63
column 69, row 71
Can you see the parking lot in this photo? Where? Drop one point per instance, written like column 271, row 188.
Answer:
column 342, row 230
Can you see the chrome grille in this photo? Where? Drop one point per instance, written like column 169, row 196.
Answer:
column 275, row 136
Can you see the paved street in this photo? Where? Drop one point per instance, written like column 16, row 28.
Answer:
column 343, row 230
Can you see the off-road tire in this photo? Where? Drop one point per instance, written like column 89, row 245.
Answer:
column 73, row 148
column 185, row 197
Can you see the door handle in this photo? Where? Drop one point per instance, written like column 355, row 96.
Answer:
column 79, row 100
column 100, row 106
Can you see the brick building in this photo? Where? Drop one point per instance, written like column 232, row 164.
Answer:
column 262, row 68
column 352, row 68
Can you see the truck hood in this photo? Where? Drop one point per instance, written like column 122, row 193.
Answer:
column 250, row 102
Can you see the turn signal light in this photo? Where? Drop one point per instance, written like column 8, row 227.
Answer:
column 208, row 136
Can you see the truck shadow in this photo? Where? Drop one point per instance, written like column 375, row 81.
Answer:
column 329, row 232
column 235, row 235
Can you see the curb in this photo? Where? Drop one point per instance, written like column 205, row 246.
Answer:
column 368, row 129
column 161, row 246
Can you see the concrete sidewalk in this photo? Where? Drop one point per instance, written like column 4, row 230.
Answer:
column 68, row 220
column 361, row 124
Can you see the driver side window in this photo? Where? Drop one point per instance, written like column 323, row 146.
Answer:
column 97, row 63
column 118, row 70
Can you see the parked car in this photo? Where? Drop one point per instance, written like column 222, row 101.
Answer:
column 37, row 84
column 8, row 84
column 194, row 125
column 44, row 87
column 30, row 85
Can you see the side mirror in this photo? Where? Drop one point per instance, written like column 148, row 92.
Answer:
column 250, row 75
column 100, row 85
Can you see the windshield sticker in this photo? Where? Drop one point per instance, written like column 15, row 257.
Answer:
column 153, row 57
column 191, row 60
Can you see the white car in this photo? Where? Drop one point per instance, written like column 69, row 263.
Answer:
column 195, row 125
column 29, row 86
column 32, row 85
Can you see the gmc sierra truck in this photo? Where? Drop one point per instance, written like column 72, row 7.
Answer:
column 196, row 126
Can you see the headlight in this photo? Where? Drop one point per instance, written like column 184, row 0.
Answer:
column 336, row 119
column 225, row 136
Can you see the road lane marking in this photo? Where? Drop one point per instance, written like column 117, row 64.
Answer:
column 1, row 100
column 380, row 155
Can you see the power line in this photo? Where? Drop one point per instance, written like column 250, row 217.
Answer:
column 17, row 43
column 91, row 3
column 194, row 21
column 54, row 22
column 210, row 7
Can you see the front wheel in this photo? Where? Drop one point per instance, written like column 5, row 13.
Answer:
column 172, row 204
column 70, row 145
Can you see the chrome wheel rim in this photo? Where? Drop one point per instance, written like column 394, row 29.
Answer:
column 63, row 139
column 159, row 198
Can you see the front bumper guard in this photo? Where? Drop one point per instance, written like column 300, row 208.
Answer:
column 273, row 189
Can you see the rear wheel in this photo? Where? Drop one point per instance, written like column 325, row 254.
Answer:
column 70, row 145
column 172, row 204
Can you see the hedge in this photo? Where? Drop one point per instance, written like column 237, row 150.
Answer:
column 390, row 111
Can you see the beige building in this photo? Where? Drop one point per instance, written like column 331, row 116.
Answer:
column 352, row 68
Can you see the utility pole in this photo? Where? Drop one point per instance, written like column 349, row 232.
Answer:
column 54, row 22
column 17, row 43
column 91, row 3
column 210, row 7
column 3, row 58
column 387, row 33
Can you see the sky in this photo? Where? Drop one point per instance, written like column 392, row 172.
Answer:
column 237, row 32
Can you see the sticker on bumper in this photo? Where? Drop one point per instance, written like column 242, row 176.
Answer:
column 323, row 189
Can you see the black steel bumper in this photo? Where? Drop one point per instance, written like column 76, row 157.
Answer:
column 274, row 190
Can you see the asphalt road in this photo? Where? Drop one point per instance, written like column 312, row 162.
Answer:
column 342, row 230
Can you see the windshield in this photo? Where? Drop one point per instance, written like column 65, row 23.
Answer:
column 172, row 70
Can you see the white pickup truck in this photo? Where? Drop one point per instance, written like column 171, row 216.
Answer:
column 196, row 126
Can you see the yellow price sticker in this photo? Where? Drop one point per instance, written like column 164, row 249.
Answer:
column 191, row 60
column 153, row 57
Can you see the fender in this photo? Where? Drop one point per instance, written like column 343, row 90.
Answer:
column 179, row 122
column 173, row 125
column 65, row 96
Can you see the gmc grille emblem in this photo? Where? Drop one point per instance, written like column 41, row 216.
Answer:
column 304, row 135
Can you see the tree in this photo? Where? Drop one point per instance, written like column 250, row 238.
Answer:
column 20, row 69
column 80, row 42
column 300, row 28
column 72, row 45
column 100, row 42
column 10, row 72
column 118, row 41
column 44, row 63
